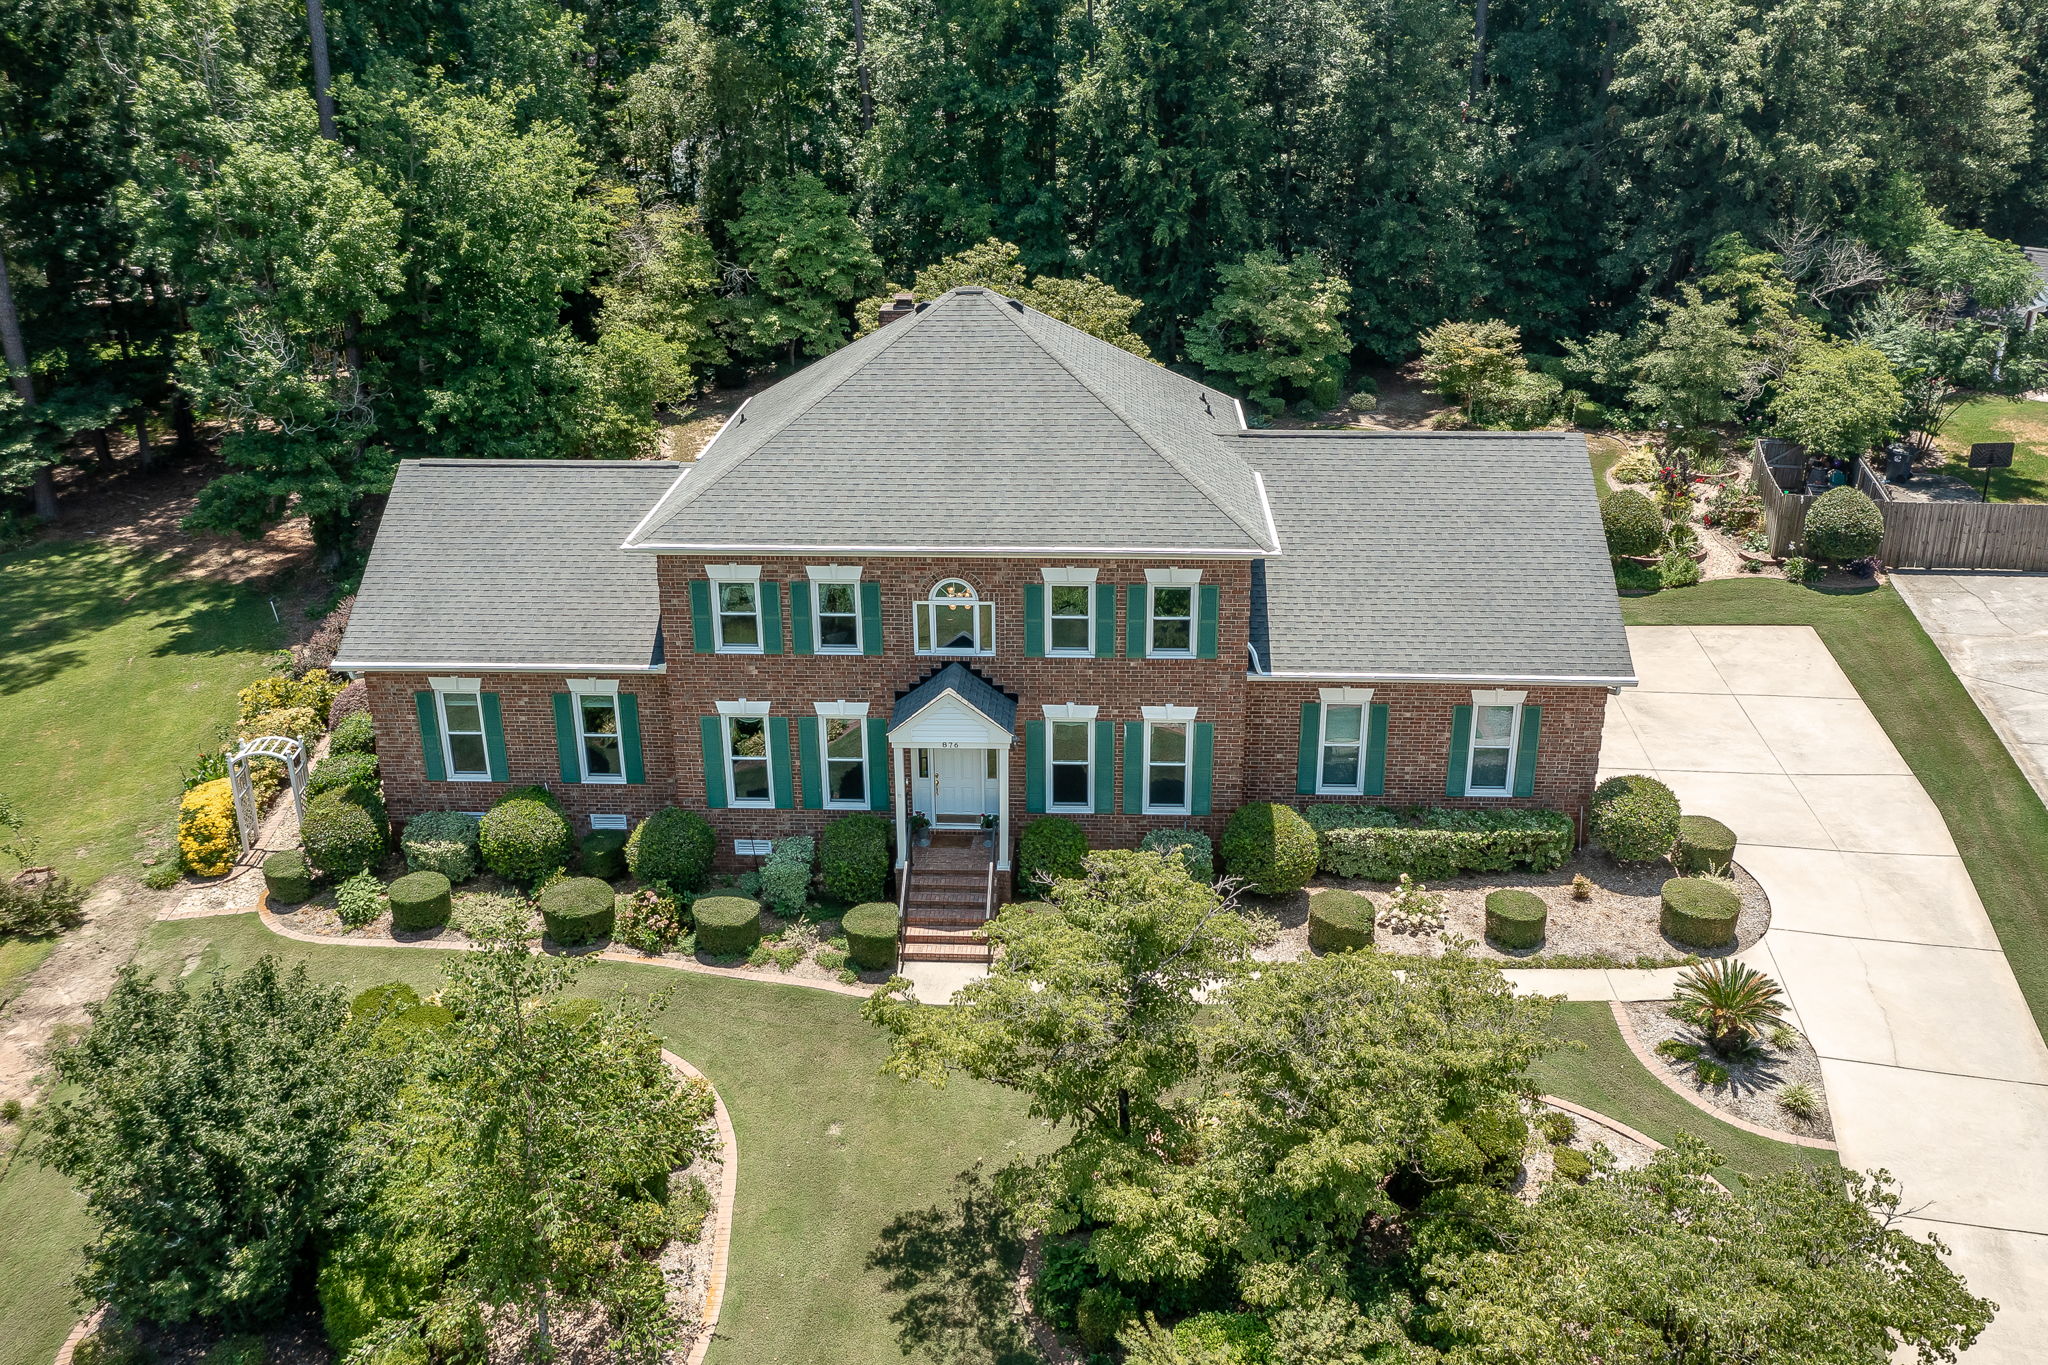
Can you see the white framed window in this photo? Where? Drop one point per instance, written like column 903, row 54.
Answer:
column 952, row 619
column 747, row 780
column 1070, row 619
column 1340, row 769
column 1173, row 621
column 462, row 736
column 838, row 618
column 597, row 736
column 1490, row 769
column 1166, row 767
column 1070, row 746
column 738, row 617
column 846, row 762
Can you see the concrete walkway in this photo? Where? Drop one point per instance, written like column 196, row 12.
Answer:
column 1993, row 629
column 1933, row 1066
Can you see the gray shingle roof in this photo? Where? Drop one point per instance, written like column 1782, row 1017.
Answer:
column 1468, row 554
column 976, row 424
column 978, row 692
column 501, row 563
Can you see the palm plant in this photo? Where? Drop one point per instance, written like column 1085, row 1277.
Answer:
column 1730, row 1003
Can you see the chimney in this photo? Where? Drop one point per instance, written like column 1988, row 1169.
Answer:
column 902, row 306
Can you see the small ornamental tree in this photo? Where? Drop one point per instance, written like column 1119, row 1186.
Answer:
column 1276, row 330
column 1838, row 400
column 1467, row 360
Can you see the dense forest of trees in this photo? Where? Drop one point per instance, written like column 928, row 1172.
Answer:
column 353, row 233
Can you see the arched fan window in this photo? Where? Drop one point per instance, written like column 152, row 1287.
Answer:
column 952, row 619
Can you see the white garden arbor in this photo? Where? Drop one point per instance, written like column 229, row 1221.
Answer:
column 278, row 748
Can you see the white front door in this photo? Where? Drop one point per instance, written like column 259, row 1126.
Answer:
column 954, row 787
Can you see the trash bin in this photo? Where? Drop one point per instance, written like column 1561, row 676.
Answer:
column 1898, row 464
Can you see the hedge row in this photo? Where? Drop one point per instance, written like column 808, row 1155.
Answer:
column 1379, row 844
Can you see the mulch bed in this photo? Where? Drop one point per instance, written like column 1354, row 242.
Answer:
column 1753, row 1087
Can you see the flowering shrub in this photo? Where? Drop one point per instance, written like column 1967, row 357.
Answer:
column 207, row 837
column 314, row 690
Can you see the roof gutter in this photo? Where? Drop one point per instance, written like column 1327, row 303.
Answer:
column 1474, row 679
column 961, row 551
column 359, row 666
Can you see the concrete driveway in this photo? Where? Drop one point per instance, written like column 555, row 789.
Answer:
column 1993, row 629
column 1933, row 1066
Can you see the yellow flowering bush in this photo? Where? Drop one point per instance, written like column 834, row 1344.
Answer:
column 302, row 723
column 207, row 841
column 315, row 691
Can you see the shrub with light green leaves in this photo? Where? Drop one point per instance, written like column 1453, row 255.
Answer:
column 356, row 734
column 1631, row 522
column 786, row 875
column 1841, row 525
column 1269, row 847
column 1635, row 818
column 1196, row 851
column 673, row 846
column 339, row 837
column 359, row 900
column 525, row 836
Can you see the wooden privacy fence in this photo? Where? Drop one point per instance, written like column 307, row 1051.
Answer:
column 1773, row 465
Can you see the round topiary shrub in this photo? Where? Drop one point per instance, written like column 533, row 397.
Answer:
column 1515, row 918
column 356, row 734
column 602, row 854
column 577, row 910
column 442, row 841
column 1196, row 852
column 727, row 926
column 1635, row 818
column 287, row 878
column 1631, row 522
column 853, row 858
column 1843, row 524
column 1704, row 845
column 871, row 935
column 339, row 837
column 1050, row 848
column 1339, row 921
column 525, row 836
column 1699, row 913
column 419, row 901
column 354, row 773
column 672, row 846
column 1269, row 847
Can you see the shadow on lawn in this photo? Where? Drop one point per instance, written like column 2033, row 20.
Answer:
column 956, row 1268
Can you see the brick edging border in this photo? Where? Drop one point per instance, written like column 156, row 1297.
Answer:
column 1604, row 1120
column 1628, row 1036
column 721, row 1235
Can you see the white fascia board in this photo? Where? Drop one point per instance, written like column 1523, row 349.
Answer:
column 365, row 666
column 1466, row 679
column 961, row 551
column 1272, row 527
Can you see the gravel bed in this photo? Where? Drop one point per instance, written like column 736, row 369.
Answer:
column 1752, row 1090
column 1616, row 926
column 1537, row 1169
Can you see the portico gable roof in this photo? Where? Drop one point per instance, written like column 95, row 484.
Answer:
column 955, row 704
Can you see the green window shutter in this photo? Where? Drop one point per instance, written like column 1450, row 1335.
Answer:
column 771, row 618
column 712, row 731
column 1034, row 620
column 430, row 736
column 801, row 636
column 1203, row 776
column 629, row 737
column 778, row 763
column 1134, row 767
column 1310, row 757
column 881, row 772
column 1207, row 626
column 700, row 616
column 566, row 757
column 1525, row 751
column 1105, row 620
column 1037, row 763
column 1376, row 751
column 811, row 760
column 1137, row 621
column 494, row 736
column 1105, row 762
column 1461, row 750
column 871, row 618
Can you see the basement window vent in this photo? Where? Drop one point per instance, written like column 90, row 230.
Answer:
column 607, row 822
column 751, row 848
column 476, row 814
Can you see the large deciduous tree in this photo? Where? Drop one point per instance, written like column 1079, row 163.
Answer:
column 1276, row 330
column 808, row 260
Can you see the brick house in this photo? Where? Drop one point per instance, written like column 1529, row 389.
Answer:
column 979, row 565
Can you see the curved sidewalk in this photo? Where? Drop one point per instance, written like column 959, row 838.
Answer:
column 1933, row 1066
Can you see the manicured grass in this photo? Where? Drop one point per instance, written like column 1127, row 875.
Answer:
column 19, row 957
column 1607, row 1078
column 46, row 1226
column 838, row 1164
column 1997, row 821
column 2001, row 419
column 115, row 675
column 1606, row 452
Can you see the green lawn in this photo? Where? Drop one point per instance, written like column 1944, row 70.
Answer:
column 2001, row 419
column 849, row 1242
column 1997, row 821
column 19, row 957
column 1607, row 1078
column 115, row 675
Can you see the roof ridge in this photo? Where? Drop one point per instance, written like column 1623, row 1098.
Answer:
column 1202, row 485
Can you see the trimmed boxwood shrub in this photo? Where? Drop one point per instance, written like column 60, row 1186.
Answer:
column 1699, row 913
column 577, row 910
column 672, row 846
column 853, row 858
column 727, row 926
column 339, row 837
column 1270, row 847
column 786, row 875
column 1050, row 848
column 525, row 836
column 419, row 901
column 1635, row 818
column 356, row 734
column 287, row 878
column 871, row 935
column 354, row 774
column 442, row 841
column 603, row 854
column 1515, row 918
column 1843, row 524
column 1631, row 522
column 1704, row 845
column 1197, row 853
column 1379, row 845
column 1339, row 921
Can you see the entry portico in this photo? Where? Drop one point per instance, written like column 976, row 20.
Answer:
column 949, row 749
